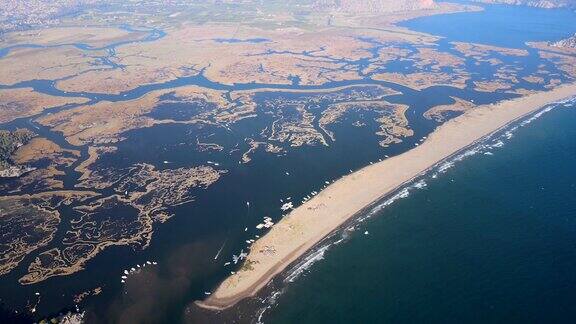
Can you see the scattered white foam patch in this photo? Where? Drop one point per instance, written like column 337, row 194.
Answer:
column 497, row 144
column 567, row 102
column 420, row 184
column 445, row 166
column 403, row 193
column 269, row 301
column 536, row 116
column 498, row 141
column 315, row 256
column 307, row 263
column 484, row 147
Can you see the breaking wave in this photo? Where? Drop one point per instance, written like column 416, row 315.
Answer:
column 307, row 263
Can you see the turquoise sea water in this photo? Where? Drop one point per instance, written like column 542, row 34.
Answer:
column 492, row 239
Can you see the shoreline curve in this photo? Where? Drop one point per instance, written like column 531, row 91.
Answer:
column 310, row 223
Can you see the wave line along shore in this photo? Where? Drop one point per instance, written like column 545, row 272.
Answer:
column 311, row 222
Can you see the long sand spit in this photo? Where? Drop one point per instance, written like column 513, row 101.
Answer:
column 309, row 223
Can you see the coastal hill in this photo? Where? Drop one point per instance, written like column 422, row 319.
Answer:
column 373, row 6
column 569, row 42
column 547, row 4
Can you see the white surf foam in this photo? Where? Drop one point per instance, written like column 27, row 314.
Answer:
column 307, row 263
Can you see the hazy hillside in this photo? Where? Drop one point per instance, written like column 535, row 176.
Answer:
column 566, row 43
column 374, row 6
column 536, row 3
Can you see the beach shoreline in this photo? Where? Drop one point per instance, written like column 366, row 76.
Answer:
column 342, row 201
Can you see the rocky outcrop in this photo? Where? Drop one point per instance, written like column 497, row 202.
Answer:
column 546, row 4
column 373, row 6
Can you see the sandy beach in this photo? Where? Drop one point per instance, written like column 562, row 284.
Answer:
column 309, row 223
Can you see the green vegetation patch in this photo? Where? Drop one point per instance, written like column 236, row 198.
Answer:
column 9, row 142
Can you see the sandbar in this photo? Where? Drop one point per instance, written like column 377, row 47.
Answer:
column 311, row 222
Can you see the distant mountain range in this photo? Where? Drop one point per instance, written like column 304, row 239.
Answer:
column 549, row 4
column 373, row 6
